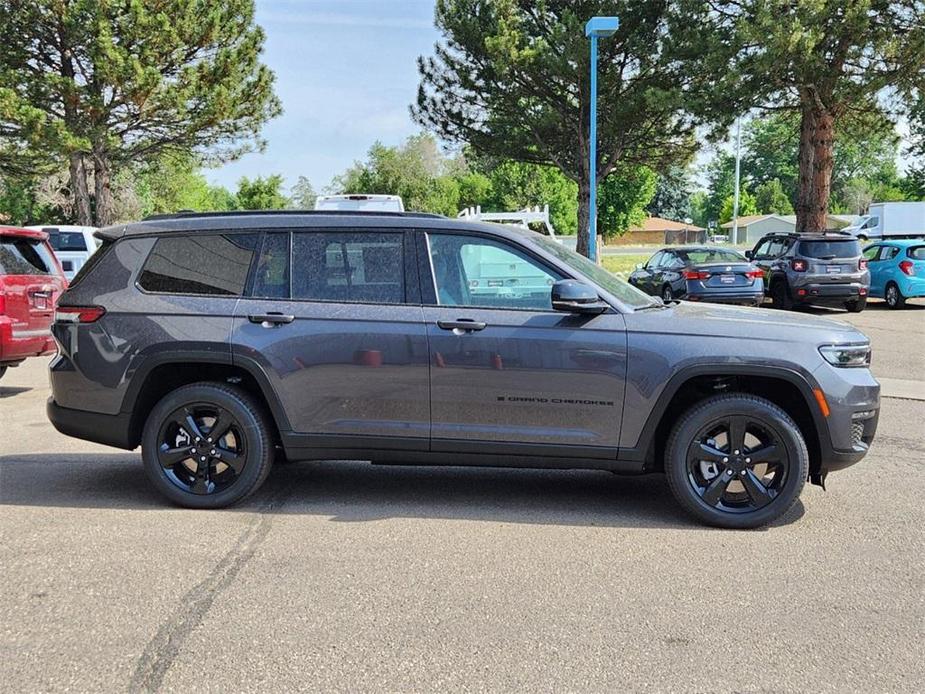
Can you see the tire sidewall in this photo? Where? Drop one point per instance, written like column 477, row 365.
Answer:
column 667, row 293
column 716, row 408
column 893, row 290
column 258, row 444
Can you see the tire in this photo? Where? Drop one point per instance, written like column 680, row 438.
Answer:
column 856, row 306
column 244, row 449
column 667, row 294
column 894, row 298
column 751, row 494
column 780, row 296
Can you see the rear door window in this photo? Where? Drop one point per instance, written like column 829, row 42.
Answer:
column 826, row 250
column 203, row 263
column 66, row 240
column 271, row 275
column 24, row 256
column 358, row 267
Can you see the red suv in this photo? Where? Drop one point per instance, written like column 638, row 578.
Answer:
column 31, row 280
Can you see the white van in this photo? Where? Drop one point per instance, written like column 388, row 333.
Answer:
column 890, row 219
column 360, row 202
column 73, row 245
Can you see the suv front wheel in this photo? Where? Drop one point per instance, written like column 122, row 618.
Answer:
column 736, row 461
column 207, row 445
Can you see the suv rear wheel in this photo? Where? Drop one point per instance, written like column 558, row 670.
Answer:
column 207, row 445
column 736, row 461
column 780, row 296
column 856, row 306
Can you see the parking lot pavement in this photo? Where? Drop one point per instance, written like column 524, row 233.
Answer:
column 348, row 576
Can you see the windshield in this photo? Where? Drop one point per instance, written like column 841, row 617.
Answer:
column 624, row 291
column 849, row 248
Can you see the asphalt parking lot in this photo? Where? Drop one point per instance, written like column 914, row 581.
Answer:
column 347, row 576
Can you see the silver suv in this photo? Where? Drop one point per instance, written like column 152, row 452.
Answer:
column 822, row 269
column 219, row 342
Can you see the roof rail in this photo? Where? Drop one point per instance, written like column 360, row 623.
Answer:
column 189, row 214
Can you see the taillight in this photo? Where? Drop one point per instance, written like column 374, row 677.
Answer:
column 79, row 314
column 696, row 275
column 906, row 266
column 862, row 264
column 798, row 265
column 754, row 274
column 2, row 303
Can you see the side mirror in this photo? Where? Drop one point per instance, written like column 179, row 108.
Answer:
column 640, row 266
column 573, row 296
column 749, row 255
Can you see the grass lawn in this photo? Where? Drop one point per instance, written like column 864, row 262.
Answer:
column 623, row 265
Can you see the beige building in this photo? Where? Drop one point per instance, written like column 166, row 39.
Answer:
column 753, row 227
column 655, row 230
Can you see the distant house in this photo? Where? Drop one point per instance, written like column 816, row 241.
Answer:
column 655, row 230
column 752, row 227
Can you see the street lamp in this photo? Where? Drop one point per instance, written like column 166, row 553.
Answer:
column 594, row 29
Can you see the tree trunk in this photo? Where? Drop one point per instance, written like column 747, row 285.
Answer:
column 102, row 184
column 584, row 213
column 80, row 191
column 816, row 162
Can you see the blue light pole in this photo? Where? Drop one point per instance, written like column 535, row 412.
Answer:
column 594, row 29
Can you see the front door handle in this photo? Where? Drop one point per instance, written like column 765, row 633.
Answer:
column 463, row 325
column 271, row 319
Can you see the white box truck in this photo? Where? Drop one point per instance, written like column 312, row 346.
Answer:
column 890, row 219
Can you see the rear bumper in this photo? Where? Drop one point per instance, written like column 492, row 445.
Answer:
column 751, row 297
column 16, row 346
column 911, row 287
column 110, row 430
column 815, row 293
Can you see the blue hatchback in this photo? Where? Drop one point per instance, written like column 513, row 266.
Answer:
column 897, row 270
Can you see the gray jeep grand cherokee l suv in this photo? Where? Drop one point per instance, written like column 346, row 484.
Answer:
column 218, row 341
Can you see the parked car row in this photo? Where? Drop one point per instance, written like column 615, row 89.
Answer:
column 790, row 269
column 31, row 280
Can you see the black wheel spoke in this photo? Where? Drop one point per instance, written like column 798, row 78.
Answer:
column 171, row 456
column 201, row 485
column 765, row 454
column 192, row 427
column 713, row 494
column 233, row 460
column 757, row 492
column 708, row 453
column 220, row 427
column 736, row 434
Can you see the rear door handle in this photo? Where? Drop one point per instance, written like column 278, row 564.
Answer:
column 463, row 324
column 271, row 319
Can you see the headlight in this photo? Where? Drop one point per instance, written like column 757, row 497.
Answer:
column 846, row 355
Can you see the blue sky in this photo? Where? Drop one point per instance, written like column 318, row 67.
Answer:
column 346, row 74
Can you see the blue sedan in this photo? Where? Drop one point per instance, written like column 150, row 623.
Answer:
column 897, row 270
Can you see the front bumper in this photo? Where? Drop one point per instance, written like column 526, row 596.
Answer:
column 853, row 397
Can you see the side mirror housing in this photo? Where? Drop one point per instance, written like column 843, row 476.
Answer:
column 573, row 296
column 640, row 266
column 749, row 254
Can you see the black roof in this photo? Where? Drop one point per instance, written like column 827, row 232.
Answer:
column 250, row 220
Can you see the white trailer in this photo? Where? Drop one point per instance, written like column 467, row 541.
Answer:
column 890, row 219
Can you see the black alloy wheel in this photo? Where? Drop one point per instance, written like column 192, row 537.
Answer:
column 207, row 445
column 667, row 294
column 736, row 461
column 202, row 448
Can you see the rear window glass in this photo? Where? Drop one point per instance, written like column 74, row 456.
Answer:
column 849, row 248
column 66, row 240
column 916, row 252
column 361, row 267
column 214, row 264
column 709, row 255
column 21, row 256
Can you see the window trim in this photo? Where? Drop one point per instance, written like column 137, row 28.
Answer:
column 407, row 279
column 552, row 269
column 204, row 232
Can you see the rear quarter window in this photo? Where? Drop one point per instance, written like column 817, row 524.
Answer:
column 830, row 249
column 23, row 256
column 202, row 264
column 916, row 252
